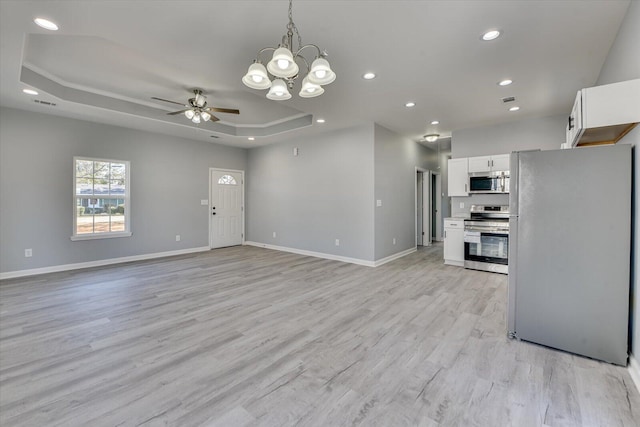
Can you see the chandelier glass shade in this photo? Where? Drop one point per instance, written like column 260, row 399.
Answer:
column 284, row 68
column 432, row 137
column 256, row 77
column 278, row 91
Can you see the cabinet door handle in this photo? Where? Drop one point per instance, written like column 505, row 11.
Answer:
column 488, row 163
column 445, row 234
column 465, row 188
column 571, row 123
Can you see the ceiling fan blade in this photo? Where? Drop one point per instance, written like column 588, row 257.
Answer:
column 166, row 100
column 224, row 110
column 213, row 118
column 178, row 112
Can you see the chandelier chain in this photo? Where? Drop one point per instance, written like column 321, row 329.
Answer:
column 291, row 26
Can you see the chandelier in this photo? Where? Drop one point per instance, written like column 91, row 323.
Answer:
column 284, row 69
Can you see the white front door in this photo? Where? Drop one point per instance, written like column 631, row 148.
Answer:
column 226, row 208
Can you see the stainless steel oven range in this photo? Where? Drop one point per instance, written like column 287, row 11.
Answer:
column 486, row 239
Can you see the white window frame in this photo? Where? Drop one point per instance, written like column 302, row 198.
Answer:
column 126, row 197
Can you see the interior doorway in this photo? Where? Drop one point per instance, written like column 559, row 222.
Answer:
column 436, row 206
column 423, row 203
column 428, row 207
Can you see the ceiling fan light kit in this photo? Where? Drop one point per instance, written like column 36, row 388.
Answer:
column 284, row 68
column 432, row 137
column 197, row 110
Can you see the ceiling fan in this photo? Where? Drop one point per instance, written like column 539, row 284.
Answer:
column 197, row 110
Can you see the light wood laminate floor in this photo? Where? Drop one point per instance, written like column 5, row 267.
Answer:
column 246, row 336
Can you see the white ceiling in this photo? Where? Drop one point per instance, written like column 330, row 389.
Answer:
column 110, row 57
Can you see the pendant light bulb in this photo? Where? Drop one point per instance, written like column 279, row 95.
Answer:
column 189, row 114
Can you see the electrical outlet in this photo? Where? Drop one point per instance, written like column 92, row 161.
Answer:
column 274, row 234
column 28, row 253
column 461, row 205
column 337, row 242
column 177, row 237
column 295, row 151
column 378, row 203
column 204, row 202
column 394, row 240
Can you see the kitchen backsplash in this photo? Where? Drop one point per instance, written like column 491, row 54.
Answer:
column 476, row 199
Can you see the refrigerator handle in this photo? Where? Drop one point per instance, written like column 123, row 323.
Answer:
column 514, row 166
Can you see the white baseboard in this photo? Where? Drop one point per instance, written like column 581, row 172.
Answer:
column 395, row 256
column 331, row 256
column 634, row 370
column 98, row 263
column 313, row 254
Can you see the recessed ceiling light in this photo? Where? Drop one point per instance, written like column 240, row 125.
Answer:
column 251, row 138
column 29, row 91
column 435, row 122
column 505, row 82
column 491, row 35
column 514, row 108
column 320, row 121
column 410, row 104
column 369, row 76
column 46, row 24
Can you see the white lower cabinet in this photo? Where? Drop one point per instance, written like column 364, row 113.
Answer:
column 454, row 241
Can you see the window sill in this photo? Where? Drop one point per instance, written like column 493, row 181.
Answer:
column 100, row 236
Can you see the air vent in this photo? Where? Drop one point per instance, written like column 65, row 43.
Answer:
column 508, row 99
column 51, row 104
column 215, row 136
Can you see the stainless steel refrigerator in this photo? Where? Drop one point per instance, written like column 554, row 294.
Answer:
column 569, row 250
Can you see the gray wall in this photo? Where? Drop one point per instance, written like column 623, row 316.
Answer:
column 546, row 133
column 324, row 193
column 396, row 160
column 623, row 63
column 444, row 176
column 169, row 177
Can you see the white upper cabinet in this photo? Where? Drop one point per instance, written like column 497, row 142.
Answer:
column 501, row 162
column 604, row 114
column 458, row 173
column 489, row 163
column 480, row 164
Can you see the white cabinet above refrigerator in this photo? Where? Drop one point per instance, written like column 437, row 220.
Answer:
column 603, row 114
column 489, row 163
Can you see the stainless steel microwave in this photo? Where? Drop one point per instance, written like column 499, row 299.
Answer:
column 495, row 182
